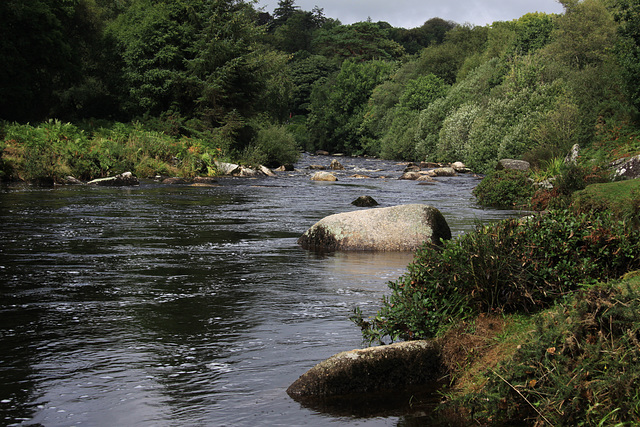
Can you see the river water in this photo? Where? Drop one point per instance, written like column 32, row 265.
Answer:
column 192, row 306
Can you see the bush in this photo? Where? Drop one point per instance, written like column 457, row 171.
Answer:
column 273, row 146
column 504, row 189
column 514, row 266
column 579, row 367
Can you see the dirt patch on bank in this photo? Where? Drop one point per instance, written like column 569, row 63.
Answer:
column 472, row 347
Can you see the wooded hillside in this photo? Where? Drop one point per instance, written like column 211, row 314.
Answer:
column 223, row 71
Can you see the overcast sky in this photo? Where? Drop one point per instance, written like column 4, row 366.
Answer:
column 413, row 13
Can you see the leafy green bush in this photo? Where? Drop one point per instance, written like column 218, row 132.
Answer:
column 579, row 367
column 504, row 189
column 273, row 146
column 513, row 266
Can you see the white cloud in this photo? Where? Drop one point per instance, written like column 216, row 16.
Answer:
column 413, row 13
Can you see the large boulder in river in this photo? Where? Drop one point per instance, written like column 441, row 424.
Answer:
column 396, row 228
column 372, row 369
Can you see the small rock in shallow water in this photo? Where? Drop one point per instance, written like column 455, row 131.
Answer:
column 364, row 202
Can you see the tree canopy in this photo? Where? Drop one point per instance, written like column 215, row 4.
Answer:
column 441, row 91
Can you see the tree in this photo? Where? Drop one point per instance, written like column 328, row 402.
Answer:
column 362, row 41
column 338, row 105
column 40, row 43
column 414, row 40
column 421, row 92
column 155, row 39
column 305, row 71
column 584, row 36
column 627, row 14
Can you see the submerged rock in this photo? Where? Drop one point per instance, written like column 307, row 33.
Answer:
column 174, row 181
column 396, row 228
column 121, row 180
column 71, row 180
column 204, row 180
column 371, row 369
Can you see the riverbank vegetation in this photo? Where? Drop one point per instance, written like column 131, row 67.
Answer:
column 536, row 317
column 252, row 86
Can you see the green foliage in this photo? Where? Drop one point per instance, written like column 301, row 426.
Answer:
column 585, row 35
column 338, row 105
column 579, row 366
column 360, row 41
column 621, row 198
column 533, row 32
column 42, row 44
column 505, row 189
column 431, row 32
column 627, row 13
column 513, row 266
column 454, row 136
column 47, row 153
column 304, row 73
column 274, row 146
column 421, row 92
column 398, row 142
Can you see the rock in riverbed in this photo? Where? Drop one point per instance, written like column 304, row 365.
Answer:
column 121, row 180
column 371, row 369
column 396, row 228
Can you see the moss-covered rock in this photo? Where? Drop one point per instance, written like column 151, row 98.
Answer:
column 371, row 369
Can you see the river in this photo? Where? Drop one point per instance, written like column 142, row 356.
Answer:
column 180, row 305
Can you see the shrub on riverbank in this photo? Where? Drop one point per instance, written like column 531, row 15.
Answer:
column 513, row 266
column 505, row 189
column 51, row 151
column 578, row 365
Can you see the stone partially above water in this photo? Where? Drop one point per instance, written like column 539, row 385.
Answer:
column 365, row 202
column 121, row 180
column 396, row 228
column 324, row 176
column 372, row 369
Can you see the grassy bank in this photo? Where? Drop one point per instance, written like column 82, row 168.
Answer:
column 576, row 363
column 536, row 325
column 49, row 152
column 53, row 150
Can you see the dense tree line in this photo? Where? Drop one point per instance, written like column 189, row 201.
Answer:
column 223, row 70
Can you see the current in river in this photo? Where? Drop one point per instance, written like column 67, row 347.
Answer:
column 178, row 305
